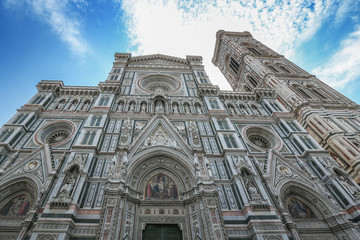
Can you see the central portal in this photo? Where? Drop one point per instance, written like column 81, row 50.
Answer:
column 162, row 232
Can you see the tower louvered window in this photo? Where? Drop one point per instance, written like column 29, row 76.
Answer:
column 254, row 51
column 234, row 65
column 253, row 81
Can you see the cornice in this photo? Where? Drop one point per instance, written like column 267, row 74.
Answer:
column 219, row 38
column 57, row 87
column 208, row 90
column 158, row 57
column 258, row 94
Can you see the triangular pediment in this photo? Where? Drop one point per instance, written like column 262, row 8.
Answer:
column 39, row 164
column 159, row 132
column 278, row 169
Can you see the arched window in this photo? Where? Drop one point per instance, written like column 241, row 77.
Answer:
column 223, row 125
column 303, row 93
column 20, row 118
column 38, row 100
column 273, row 69
column 95, row 121
column 318, row 94
column 247, row 88
column 253, row 81
column 104, row 101
column 254, row 51
column 230, row 141
column 5, row 134
column 234, row 65
column 284, row 69
column 214, row 104
column 275, row 106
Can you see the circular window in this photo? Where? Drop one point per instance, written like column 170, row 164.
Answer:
column 55, row 133
column 261, row 138
column 159, row 83
column 58, row 136
column 260, row 141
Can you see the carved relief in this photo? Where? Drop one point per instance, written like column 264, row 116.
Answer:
column 160, row 137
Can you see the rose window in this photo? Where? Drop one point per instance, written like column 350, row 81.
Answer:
column 159, row 83
column 260, row 138
column 58, row 136
column 55, row 133
column 260, row 141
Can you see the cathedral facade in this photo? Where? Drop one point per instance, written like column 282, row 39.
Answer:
column 157, row 151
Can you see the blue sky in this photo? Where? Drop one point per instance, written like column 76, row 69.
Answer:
column 75, row 40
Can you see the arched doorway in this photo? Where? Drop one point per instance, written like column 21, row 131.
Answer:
column 17, row 199
column 162, row 212
column 161, row 196
column 309, row 213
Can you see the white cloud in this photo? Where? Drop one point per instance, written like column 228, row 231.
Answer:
column 59, row 16
column 343, row 66
column 189, row 27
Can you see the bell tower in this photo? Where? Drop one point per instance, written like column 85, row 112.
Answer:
column 331, row 118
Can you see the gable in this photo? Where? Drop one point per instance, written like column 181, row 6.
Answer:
column 159, row 132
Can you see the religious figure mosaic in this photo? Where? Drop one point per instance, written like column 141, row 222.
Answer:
column 16, row 207
column 299, row 210
column 161, row 187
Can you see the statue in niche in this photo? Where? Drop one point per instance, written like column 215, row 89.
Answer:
column 67, row 188
column 16, row 207
column 69, row 183
column 60, row 105
column 250, row 185
column 198, row 109
column 132, row 107
column 120, row 107
column 159, row 106
column 231, row 110
column 175, row 108
column 161, row 187
column 143, row 107
column 300, row 210
column 85, row 107
column 187, row 108
column 73, row 105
